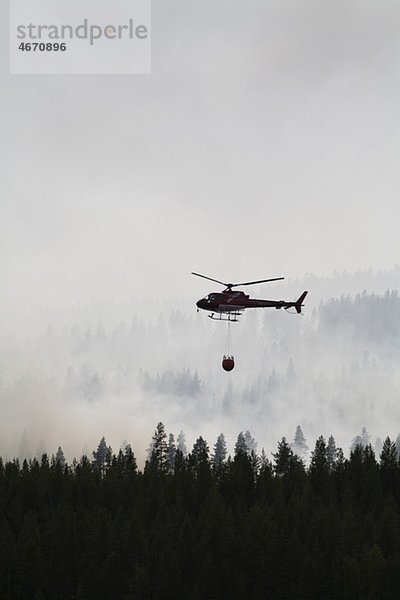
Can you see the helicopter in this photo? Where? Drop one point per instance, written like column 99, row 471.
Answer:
column 229, row 304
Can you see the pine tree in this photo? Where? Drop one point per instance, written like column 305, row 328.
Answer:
column 200, row 451
column 60, row 458
column 100, row 455
column 196, row 384
column 283, row 457
column 265, row 479
column 299, row 445
column 240, row 446
column 130, row 459
column 264, row 462
column 250, row 442
column 255, row 462
column 365, row 437
column 109, row 459
column 389, row 464
column 181, row 443
column 319, row 466
column 124, row 466
column 340, row 463
column 124, row 445
column 398, row 446
column 220, row 451
column 331, row 451
column 159, row 449
column 388, row 455
column 319, row 456
column 356, row 442
column 361, row 440
column 149, row 451
column 371, row 481
column 171, row 452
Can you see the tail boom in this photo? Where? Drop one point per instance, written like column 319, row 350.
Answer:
column 299, row 303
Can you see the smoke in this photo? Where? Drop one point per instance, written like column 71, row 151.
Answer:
column 332, row 371
column 264, row 143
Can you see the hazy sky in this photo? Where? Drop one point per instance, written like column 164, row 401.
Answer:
column 264, row 143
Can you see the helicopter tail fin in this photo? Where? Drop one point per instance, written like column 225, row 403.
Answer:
column 299, row 302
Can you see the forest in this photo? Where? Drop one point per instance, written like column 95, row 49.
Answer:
column 203, row 524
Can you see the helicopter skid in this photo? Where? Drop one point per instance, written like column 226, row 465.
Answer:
column 226, row 316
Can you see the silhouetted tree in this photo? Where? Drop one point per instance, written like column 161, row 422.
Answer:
column 129, row 460
column 200, row 465
column 319, row 466
column 100, row 455
column 220, row 451
column 265, row 479
column 159, row 449
column 389, row 464
column 60, row 458
column 388, row 455
column 282, row 457
column 171, row 451
column 331, row 451
column 200, row 451
column 240, row 446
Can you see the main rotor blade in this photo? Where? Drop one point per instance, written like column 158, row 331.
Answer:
column 210, row 278
column 254, row 282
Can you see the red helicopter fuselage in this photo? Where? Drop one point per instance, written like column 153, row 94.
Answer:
column 230, row 301
column 229, row 304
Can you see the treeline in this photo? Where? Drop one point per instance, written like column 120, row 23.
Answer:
column 202, row 525
column 369, row 318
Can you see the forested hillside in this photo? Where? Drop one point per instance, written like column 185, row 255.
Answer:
column 112, row 369
column 202, row 525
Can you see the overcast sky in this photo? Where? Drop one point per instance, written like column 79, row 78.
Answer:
column 264, row 143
